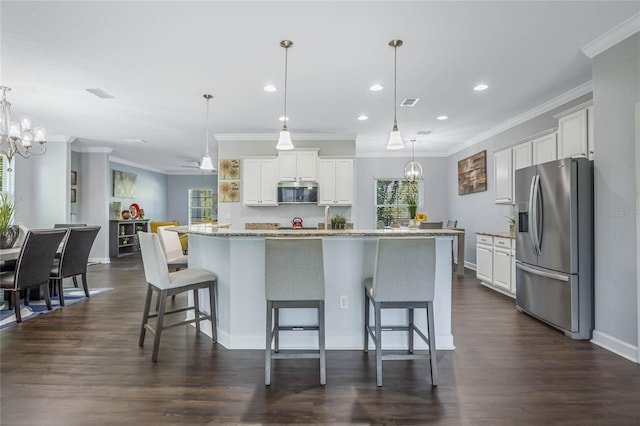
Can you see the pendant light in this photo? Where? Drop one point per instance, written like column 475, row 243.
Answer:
column 206, row 163
column 413, row 169
column 284, row 141
column 395, row 140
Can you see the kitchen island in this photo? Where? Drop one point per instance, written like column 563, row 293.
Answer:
column 237, row 256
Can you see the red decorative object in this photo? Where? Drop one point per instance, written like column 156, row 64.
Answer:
column 134, row 210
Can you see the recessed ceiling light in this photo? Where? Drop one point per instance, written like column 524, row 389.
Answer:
column 270, row 88
column 362, row 117
column 376, row 87
column 480, row 87
column 441, row 117
column 283, row 118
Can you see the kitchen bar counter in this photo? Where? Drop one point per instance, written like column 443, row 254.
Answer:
column 237, row 256
column 497, row 234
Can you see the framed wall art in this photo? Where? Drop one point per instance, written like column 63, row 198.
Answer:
column 229, row 169
column 229, row 191
column 124, row 184
column 472, row 174
column 74, row 177
column 74, row 198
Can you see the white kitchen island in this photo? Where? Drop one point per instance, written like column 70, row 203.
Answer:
column 237, row 256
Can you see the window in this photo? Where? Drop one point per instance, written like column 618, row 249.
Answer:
column 397, row 200
column 7, row 176
column 203, row 205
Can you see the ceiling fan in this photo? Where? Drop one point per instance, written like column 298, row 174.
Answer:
column 197, row 166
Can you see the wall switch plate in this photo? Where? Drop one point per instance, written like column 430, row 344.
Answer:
column 344, row 302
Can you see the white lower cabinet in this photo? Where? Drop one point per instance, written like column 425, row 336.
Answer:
column 495, row 263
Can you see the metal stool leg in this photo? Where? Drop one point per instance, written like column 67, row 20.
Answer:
column 432, row 345
column 378, row 340
column 267, row 349
column 156, row 340
column 321, row 334
column 366, row 321
column 196, row 307
column 213, row 311
column 410, row 331
column 145, row 315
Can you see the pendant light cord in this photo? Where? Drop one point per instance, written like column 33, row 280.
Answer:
column 207, row 137
column 395, row 84
column 286, row 57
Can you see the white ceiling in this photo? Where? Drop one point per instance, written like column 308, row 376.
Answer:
column 159, row 58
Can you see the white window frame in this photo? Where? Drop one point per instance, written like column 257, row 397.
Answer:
column 214, row 205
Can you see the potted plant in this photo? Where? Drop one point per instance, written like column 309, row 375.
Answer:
column 8, row 233
column 412, row 199
column 512, row 226
column 338, row 221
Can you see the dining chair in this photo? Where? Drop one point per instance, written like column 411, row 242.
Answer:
column 403, row 278
column 33, row 266
column 293, row 284
column 73, row 259
column 166, row 284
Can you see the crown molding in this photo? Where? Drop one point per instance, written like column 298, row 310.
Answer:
column 60, row 138
column 137, row 165
column 92, row 149
column 572, row 94
column 612, row 37
column 273, row 137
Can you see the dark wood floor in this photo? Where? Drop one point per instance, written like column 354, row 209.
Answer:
column 81, row 365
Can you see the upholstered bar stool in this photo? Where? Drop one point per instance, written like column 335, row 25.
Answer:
column 167, row 284
column 170, row 243
column 403, row 278
column 294, row 278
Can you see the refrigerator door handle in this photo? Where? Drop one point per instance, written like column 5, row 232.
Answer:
column 539, row 215
column 532, row 212
column 554, row 276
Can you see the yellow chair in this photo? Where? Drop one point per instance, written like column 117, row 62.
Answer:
column 153, row 225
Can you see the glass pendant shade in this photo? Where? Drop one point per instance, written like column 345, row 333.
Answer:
column 18, row 137
column 206, row 163
column 413, row 171
column 284, row 141
column 395, row 140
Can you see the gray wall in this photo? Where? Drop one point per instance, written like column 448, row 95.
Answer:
column 94, row 190
column 368, row 169
column 616, row 77
column 478, row 212
column 178, row 187
column 151, row 191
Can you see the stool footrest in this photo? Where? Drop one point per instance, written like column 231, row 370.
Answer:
column 295, row 355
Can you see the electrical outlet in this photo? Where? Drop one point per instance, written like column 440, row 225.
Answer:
column 344, row 302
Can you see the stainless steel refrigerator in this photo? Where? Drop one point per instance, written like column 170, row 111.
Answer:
column 554, row 244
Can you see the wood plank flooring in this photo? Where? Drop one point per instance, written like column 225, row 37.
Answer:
column 81, row 365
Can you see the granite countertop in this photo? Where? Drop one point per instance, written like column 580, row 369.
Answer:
column 496, row 234
column 399, row 232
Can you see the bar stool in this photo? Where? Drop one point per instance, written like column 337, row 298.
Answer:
column 403, row 278
column 294, row 278
column 167, row 284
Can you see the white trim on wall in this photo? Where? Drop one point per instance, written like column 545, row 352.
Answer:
column 613, row 36
column 638, row 228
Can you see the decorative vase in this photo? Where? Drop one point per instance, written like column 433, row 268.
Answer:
column 512, row 230
column 9, row 236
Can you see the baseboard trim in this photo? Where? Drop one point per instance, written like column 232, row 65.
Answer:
column 99, row 260
column 615, row 345
column 470, row 265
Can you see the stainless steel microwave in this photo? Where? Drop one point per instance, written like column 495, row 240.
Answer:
column 297, row 193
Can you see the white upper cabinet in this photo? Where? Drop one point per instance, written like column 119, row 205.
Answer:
column 260, row 182
column 503, row 176
column 298, row 165
column 335, row 182
column 544, row 149
column 575, row 132
column 522, row 156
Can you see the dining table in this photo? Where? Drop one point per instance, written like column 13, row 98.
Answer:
column 9, row 254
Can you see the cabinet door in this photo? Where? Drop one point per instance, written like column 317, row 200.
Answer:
column 522, row 156
column 269, row 182
column 590, row 140
column 251, row 182
column 503, row 176
column 502, row 269
column 307, row 164
column 544, row 149
column 344, row 182
column 513, row 271
column 287, row 166
column 484, row 263
column 326, row 182
column 572, row 135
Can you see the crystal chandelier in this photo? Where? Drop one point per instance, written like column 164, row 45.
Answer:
column 19, row 137
column 413, row 169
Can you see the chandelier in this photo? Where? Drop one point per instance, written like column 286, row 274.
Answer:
column 413, row 169
column 19, row 137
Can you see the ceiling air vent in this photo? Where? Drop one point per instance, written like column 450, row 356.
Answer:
column 409, row 102
column 100, row 93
